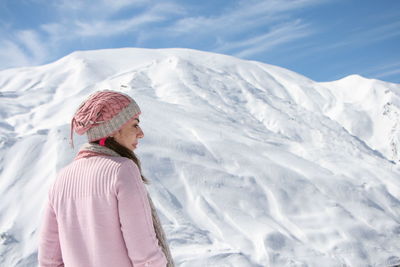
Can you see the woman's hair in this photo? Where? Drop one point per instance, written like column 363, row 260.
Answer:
column 124, row 152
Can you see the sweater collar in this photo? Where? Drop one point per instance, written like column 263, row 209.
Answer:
column 92, row 149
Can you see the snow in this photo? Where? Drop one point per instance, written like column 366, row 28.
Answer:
column 251, row 164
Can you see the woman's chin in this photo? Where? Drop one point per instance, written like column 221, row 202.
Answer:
column 130, row 147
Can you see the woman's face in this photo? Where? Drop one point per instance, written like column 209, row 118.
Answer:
column 129, row 134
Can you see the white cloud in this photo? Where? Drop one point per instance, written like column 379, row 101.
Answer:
column 388, row 73
column 362, row 37
column 100, row 8
column 22, row 48
column 243, row 16
column 381, row 32
column 77, row 20
column 278, row 35
column 106, row 22
column 384, row 70
column 80, row 20
column 109, row 28
column 234, row 28
column 249, row 9
column 54, row 30
column 118, row 4
column 30, row 40
column 11, row 55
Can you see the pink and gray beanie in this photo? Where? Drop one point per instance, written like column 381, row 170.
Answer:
column 103, row 114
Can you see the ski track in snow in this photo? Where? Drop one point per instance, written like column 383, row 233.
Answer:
column 251, row 165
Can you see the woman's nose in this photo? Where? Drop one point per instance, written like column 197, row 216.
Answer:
column 140, row 134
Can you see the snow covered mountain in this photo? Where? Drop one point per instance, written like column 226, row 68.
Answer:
column 251, row 164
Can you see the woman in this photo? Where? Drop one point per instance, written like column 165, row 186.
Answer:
column 98, row 211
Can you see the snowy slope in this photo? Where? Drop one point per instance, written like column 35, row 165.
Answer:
column 370, row 110
column 251, row 164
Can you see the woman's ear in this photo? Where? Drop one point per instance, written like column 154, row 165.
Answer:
column 117, row 134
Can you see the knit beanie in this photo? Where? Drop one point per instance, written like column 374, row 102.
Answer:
column 103, row 114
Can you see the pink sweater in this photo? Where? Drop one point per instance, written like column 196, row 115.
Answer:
column 98, row 214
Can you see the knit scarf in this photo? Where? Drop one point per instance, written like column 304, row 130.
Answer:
column 89, row 148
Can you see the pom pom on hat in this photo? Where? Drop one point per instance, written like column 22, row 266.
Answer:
column 103, row 114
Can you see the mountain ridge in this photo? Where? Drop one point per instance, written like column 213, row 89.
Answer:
column 251, row 164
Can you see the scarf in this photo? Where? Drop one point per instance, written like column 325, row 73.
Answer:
column 90, row 149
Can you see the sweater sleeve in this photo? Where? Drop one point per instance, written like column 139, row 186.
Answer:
column 49, row 252
column 136, row 219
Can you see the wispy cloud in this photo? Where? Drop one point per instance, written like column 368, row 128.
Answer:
column 277, row 35
column 104, row 20
column 78, row 20
column 388, row 73
column 357, row 38
column 383, row 70
column 241, row 17
column 31, row 41
column 102, row 28
column 229, row 31
column 371, row 35
column 23, row 48
column 245, row 29
column 12, row 55
column 101, row 8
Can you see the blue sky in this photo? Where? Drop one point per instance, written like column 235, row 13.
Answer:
column 322, row 39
